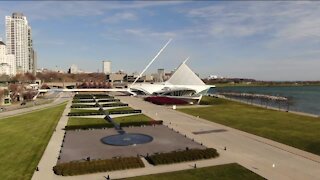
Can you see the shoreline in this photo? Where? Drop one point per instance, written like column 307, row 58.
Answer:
column 267, row 107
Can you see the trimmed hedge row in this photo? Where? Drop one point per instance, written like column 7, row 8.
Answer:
column 114, row 105
column 181, row 156
column 140, row 123
column 125, row 111
column 109, row 100
column 83, row 101
column 94, row 166
column 92, row 126
column 85, row 113
column 84, row 105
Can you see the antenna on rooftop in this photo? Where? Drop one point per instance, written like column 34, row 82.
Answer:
column 151, row 62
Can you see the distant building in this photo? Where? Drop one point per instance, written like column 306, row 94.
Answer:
column 7, row 61
column 73, row 69
column 106, row 67
column 19, row 42
column 116, row 77
column 161, row 75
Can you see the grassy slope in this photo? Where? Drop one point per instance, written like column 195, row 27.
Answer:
column 85, row 121
column 225, row 172
column 295, row 130
column 23, row 140
column 135, row 118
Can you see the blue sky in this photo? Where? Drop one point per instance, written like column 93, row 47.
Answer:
column 261, row 40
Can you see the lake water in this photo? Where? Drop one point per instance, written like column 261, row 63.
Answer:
column 304, row 98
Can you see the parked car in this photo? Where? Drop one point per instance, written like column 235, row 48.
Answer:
column 23, row 103
column 2, row 109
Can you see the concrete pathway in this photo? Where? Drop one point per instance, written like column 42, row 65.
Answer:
column 51, row 154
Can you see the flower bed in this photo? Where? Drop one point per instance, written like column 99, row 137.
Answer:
column 181, row 156
column 94, row 166
column 140, row 123
column 161, row 100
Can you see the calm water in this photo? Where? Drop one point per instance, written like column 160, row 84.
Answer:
column 305, row 98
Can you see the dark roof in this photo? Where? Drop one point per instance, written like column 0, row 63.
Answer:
column 2, row 43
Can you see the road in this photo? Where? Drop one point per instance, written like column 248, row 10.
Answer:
column 61, row 97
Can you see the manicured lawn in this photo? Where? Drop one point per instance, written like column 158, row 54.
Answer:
column 225, row 172
column 74, row 121
column 295, row 130
column 133, row 118
column 23, row 140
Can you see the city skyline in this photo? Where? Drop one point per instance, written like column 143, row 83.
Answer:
column 260, row 40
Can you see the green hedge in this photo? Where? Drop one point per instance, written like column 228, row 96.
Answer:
column 140, row 123
column 92, row 126
column 83, row 101
column 84, row 105
column 125, row 111
column 181, row 156
column 86, row 113
column 114, row 105
column 94, row 166
column 109, row 100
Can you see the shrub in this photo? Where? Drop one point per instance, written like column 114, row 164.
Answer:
column 181, row 156
column 114, row 105
column 84, row 105
column 125, row 111
column 86, row 113
column 161, row 100
column 108, row 100
column 94, row 166
column 92, row 126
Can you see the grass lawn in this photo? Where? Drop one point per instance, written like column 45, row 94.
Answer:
column 133, row 118
column 295, row 130
column 74, row 121
column 225, row 172
column 23, row 140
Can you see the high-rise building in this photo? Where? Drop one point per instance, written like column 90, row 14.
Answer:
column 7, row 61
column 19, row 42
column 106, row 67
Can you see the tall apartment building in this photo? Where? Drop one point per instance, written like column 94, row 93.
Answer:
column 7, row 61
column 19, row 42
column 106, row 67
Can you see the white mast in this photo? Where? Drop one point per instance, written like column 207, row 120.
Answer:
column 151, row 62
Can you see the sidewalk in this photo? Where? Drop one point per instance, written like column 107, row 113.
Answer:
column 50, row 155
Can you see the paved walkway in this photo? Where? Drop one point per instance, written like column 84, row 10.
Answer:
column 50, row 155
